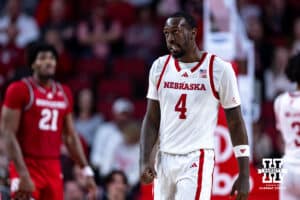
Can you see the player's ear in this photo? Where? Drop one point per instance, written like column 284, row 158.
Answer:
column 194, row 33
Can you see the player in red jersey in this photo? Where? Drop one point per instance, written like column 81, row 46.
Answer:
column 36, row 119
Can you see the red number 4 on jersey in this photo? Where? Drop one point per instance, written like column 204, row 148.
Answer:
column 181, row 106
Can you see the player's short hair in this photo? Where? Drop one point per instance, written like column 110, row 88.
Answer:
column 292, row 70
column 188, row 18
column 35, row 48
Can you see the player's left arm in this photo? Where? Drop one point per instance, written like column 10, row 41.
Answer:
column 239, row 140
column 73, row 144
column 70, row 136
column 230, row 99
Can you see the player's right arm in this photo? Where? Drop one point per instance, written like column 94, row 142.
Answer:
column 150, row 127
column 149, row 136
column 10, row 119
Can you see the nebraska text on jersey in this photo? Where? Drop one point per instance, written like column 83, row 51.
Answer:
column 51, row 104
column 184, row 86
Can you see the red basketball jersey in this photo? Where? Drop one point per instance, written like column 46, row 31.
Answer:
column 43, row 113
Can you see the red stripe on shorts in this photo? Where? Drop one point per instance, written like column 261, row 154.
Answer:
column 200, row 171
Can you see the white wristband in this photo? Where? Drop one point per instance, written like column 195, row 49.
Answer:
column 87, row 171
column 241, row 151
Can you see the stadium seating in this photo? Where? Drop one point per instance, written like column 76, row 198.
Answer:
column 129, row 67
column 90, row 66
column 110, row 89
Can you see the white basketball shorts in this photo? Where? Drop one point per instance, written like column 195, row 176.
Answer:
column 182, row 177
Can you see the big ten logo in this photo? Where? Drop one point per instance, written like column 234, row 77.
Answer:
column 223, row 180
column 272, row 170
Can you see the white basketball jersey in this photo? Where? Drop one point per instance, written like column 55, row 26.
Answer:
column 189, row 95
column 287, row 112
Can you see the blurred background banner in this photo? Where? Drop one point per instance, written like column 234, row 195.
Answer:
column 226, row 168
column 225, row 36
column 220, row 24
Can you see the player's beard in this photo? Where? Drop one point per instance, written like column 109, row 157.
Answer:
column 46, row 77
column 178, row 54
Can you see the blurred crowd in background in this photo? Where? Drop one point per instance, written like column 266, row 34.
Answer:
column 106, row 48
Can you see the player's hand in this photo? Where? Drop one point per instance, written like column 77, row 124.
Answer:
column 148, row 173
column 25, row 189
column 241, row 188
column 91, row 188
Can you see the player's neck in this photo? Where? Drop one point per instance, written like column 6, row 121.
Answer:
column 193, row 55
column 43, row 82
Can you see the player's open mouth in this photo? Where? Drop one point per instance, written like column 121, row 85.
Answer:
column 174, row 48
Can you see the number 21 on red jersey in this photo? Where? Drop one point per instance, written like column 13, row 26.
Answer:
column 48, row 121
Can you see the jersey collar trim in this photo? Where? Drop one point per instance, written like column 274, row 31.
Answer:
column 193, row 69
column 41, row 89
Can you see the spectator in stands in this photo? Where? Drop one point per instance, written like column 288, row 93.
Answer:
column 29, row 6
column 54, row 12
column 137, row 36
column 121, row 11
column 140, row 3
column 24, row 27
column 275, row 78
column 79, row 179
column 248, row 10
column 276, row 19
column 4, row 182
column 11, row 56
column 262, row 47
column 72, row 191
column 52, row 36
column 58, row 20
column 2, row 6
column 100, row 35
column 110, row 135
column 127, row 154
column 116, row 186
column 86, row 120
column 296, row 37
column 167, row 7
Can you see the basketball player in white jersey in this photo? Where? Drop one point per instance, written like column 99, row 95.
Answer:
column 287, row 112
column 185, row 90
